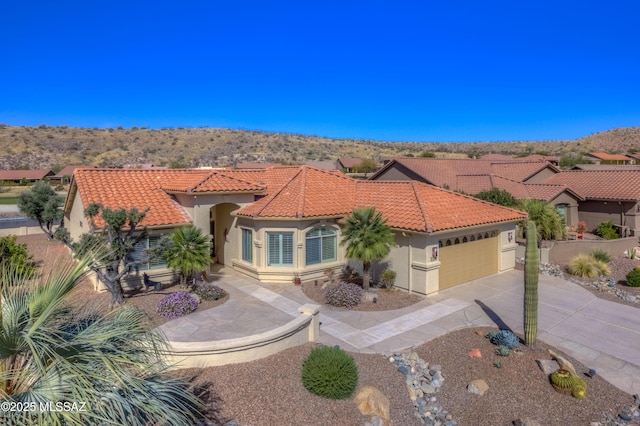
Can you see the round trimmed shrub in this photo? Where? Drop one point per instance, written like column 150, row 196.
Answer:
column 343, row 294
column 633, row 278
column 209, row 292
column 176, row 305
column 330, row 372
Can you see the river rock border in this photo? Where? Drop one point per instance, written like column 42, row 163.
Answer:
column 423, row 381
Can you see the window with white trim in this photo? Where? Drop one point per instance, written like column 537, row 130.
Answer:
column 321, row 246
column 139, row 253
column 247, row 245
column 280, row 248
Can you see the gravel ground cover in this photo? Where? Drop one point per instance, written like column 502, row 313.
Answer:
column 270, row 392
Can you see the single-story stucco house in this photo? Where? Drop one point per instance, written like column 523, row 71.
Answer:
column 281, row 222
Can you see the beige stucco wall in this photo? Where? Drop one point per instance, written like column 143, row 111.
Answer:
column 541, row 176
column 620, row 213
column 259, row 270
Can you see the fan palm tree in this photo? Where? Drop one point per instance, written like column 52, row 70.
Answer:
column 548, row 221
column 107, row 369
column 188, row 252
column 368, row 238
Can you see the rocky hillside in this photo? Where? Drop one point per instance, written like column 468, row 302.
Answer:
column 55, row 147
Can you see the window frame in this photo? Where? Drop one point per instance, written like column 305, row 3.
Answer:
column 246, row 244
column 331, row 234
column 283, row 255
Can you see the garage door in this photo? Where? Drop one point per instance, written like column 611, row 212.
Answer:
column 467, row 260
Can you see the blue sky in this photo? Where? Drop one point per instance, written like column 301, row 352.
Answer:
column 401, row 70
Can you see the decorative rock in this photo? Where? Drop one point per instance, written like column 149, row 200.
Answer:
column 478, row 386
column 625, row 417
column 428, row 389
column 591, row 372
column 412, row 392
column 526, row 422
column 563, row 363
column 547, row 366
column 372, row 402
column 475, row 353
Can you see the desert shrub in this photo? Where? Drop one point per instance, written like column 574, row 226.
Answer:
column 388, row 278
column 502, row 350
column 209, row 292
column 586, row 266
column 601, row 255
column 330, row 372
column 343, row 294
column 504, row 338
column 606, row 230
column 176, row 305
column 633, row 278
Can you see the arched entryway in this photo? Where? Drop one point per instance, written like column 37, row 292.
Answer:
column 221, row 223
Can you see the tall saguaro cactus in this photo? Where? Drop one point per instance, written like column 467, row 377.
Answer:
column 531, row 265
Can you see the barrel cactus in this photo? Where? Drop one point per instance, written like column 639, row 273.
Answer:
column 565, row 382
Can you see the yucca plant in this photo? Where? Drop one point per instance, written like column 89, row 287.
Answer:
column 111, row 364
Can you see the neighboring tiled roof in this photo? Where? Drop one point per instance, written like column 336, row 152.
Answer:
column 609, row 157
column 68, row 171
column 520, row 170
column 495, row 157
column 405, row 204
column 618, row 185
column 322, row 164
column 350, row 162
column 473, row 184
column 255, row 165
column 24, row 174
column 606, row 167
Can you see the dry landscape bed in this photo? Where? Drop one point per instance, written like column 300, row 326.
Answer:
column 270, row 391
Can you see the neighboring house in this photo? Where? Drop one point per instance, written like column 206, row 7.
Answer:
column 64, row 175
column 604, row 158
column 17, row 176
column 609, row 195
column 606, row 167
column 256, row 165
column 278, row 223
column 521, row 179
column 322, row 164
column 348, row 164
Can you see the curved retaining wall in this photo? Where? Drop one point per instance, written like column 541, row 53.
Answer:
column 305, row 328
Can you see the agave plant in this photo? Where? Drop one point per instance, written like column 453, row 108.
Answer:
column 110, row 366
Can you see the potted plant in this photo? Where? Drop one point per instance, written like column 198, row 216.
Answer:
column 296, row 279
column 582, row 227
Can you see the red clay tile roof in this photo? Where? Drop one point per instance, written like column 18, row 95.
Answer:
column 609, row 157
column 128, row 188
column 208, row 180
column 618, row 185
column 24, row 174
column 495, row 157
column 520, row 170
column 405, row 204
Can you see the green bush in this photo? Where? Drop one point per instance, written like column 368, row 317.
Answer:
column 209, row 292
column 601, row 255
column 586, row 266
column 330, row 372
column 633, row 278
column 606, row 230
column 388, row 278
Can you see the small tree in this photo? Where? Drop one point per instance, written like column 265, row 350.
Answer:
column 110, row 247
column 16, row 257
column 188, row 251
column 367, row 165
column 548, row 221
column 368, row 238
column 497, row 196
column 42, row 204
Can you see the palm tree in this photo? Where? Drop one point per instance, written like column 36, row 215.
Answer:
column 107, row 369
column 368, row 238
column 549, row 223
column 188, row 252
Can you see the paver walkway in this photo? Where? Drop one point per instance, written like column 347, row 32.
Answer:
column 601, row 334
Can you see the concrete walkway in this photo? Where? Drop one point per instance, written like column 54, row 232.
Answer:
column 602, row 335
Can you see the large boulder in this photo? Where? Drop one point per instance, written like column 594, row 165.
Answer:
column 372, row 402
